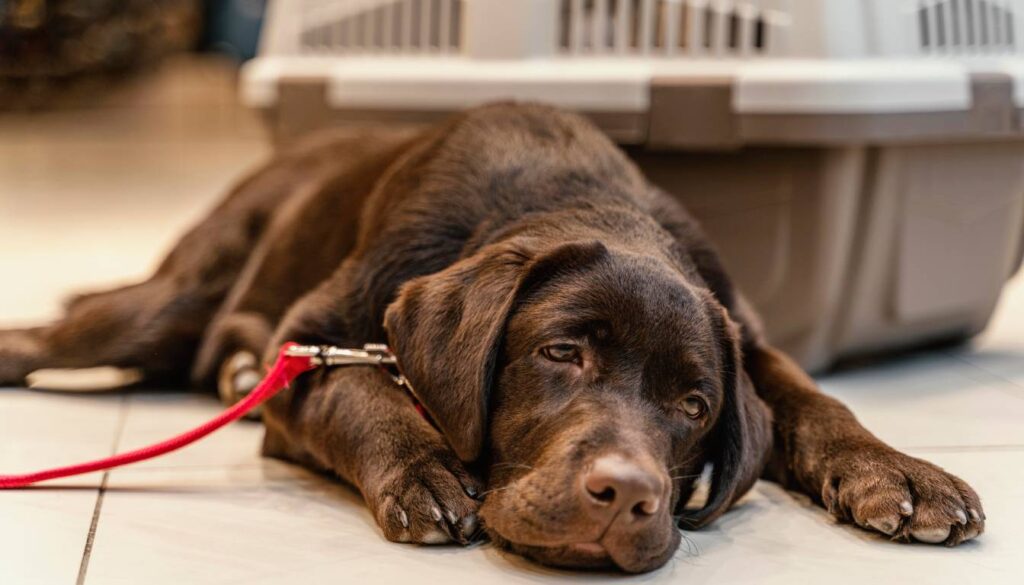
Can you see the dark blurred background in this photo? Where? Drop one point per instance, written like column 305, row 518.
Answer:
column 55, row 52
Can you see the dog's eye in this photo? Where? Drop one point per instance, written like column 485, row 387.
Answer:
column 694, row 407
column 562, row 353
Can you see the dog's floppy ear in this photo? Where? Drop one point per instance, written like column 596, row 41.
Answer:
column 446, row 329
column 743, row 434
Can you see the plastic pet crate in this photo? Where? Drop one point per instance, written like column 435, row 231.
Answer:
column 859, row 163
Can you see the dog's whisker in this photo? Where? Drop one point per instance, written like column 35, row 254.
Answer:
column 692, row 549
column 505, row 487
column 685, row 463
column 479, row 536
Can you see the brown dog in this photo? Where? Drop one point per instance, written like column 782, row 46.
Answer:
column 570, row 331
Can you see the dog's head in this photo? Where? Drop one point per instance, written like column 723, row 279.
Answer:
column 594, row 384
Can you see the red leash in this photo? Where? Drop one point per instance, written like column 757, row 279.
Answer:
column 285, row 369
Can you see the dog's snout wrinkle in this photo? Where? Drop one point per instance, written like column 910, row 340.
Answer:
column 615, row 485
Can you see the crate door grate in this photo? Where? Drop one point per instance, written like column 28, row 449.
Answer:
column 381, row 26
column 667, row 27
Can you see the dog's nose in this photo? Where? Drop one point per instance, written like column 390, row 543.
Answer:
column 616, row 484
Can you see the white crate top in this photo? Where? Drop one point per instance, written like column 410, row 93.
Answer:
column 860, row 56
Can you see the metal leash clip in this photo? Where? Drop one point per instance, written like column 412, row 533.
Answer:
column 372, row 354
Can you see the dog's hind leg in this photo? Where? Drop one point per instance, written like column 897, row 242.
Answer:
column 156, row 325
column 153, row 326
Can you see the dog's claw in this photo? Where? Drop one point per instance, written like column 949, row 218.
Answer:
column 403, row 518
column 961, row 517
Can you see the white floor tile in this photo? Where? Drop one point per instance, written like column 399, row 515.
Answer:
column 43, row 534
column 43, row 529
column 279, row 525
column 932, row 399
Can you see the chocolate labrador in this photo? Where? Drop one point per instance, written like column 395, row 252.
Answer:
column 572, row 336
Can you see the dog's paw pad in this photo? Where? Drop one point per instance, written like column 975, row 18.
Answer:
column 902, row 497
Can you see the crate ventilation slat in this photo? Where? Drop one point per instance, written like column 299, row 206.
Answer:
column 667, row 27
column 385, row 26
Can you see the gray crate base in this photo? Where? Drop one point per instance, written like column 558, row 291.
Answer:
column 848, row 251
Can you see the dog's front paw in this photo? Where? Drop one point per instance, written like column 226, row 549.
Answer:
column 908, row 499
column 430, row 499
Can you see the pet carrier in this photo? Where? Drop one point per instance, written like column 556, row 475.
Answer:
column 860, row 163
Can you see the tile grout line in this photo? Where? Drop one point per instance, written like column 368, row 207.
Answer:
column 90, row 537
column 1016, row 387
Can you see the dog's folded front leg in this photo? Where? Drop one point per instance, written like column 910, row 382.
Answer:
column 822, row 450
column 358, row 424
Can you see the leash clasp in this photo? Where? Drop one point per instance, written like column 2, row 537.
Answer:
column 372, row 354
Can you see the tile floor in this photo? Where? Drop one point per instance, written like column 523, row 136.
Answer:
column 88, row 197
